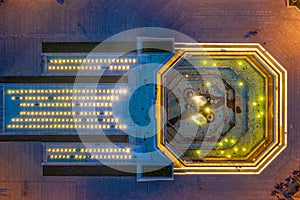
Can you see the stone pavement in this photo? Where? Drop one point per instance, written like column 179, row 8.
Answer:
column 26, row 24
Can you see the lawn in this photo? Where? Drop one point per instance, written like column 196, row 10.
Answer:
column 237, row 144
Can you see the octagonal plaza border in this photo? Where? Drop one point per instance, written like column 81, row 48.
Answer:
column 266, row 83
column 255, row 163
column 288, row 4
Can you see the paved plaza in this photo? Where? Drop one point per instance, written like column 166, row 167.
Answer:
column 25, row 24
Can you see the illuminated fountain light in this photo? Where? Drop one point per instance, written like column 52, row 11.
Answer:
column 208, row 84
column 207, row 109
column 200, row 100
column 198, row 119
